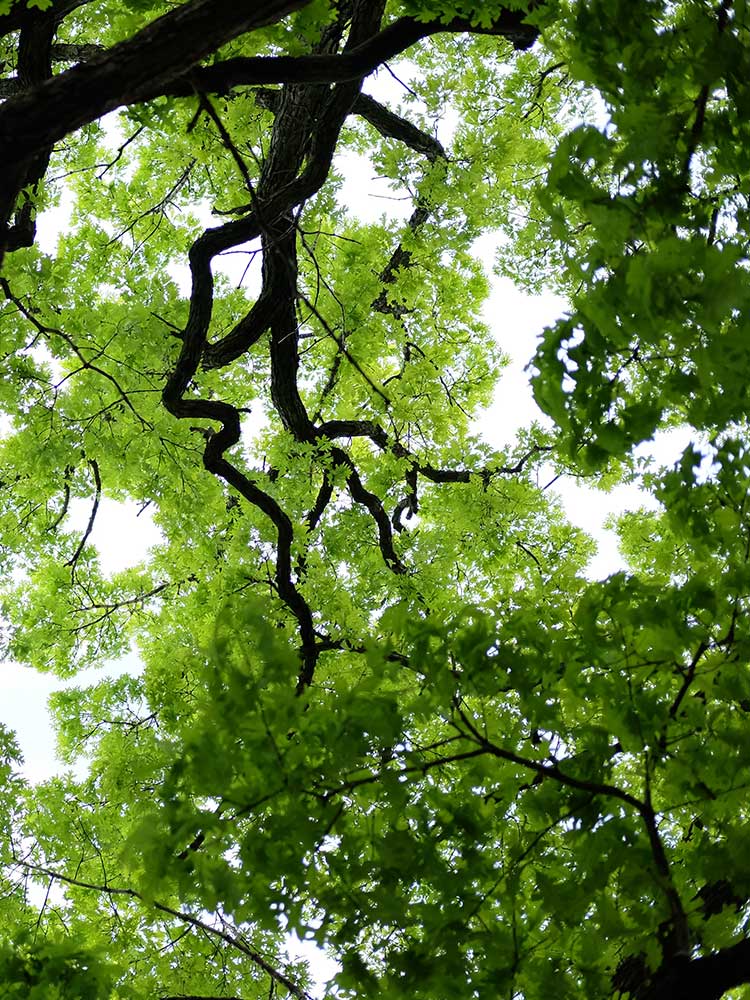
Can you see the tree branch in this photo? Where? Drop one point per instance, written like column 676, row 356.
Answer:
column 170, row 45
column 389, row 124
column 359, row 62
column 187, row 918
column 93, row 464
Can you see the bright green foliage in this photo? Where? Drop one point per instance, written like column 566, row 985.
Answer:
column 380, row 704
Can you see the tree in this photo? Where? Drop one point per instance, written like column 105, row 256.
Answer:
column 381, row 705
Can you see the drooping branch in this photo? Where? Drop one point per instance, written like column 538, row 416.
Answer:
column 642, row 807
column 544, row 770
column 388, row 123
column 232, row 940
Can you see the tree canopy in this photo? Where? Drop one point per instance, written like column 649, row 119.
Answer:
column 381, row 705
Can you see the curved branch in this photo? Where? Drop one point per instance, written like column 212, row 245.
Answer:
column 244, row 334
column 276, row 309
column 214, row 461
column 362, row 496
column 305, row 134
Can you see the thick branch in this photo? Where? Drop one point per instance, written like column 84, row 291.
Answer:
column 154, row 62
column 393, row 126
column 162, row 50
column 388, row 123
column 391, row 42
column 706, row 978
